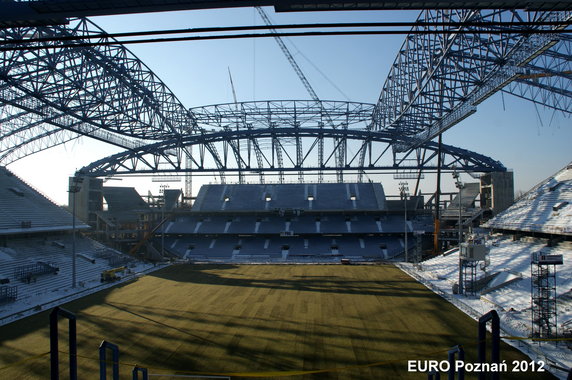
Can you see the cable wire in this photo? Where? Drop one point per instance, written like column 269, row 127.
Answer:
column 269, row 35
column 528, row 27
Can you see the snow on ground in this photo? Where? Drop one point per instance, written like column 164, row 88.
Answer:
column 512, row 302
column 546, row 208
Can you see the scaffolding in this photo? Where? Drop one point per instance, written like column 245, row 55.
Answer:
column 418, row 254
column 471, row 254
column 8, row 293
column 469, row 273
column 543, row 295
column 29, row 272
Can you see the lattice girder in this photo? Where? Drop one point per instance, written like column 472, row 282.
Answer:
column 158, row 157
column 438, row 79
column 105, row 86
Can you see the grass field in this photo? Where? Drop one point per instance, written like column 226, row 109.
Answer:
column 256, row 318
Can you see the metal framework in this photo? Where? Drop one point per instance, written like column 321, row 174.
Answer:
column 56, row 94
column 51, row 96
column 39, row 12
column 283, row 136
column 547, row 79
column 543, row 297
column 469, row 276
column 438, row 80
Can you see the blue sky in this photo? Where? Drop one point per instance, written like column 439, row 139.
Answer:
column 530, row 140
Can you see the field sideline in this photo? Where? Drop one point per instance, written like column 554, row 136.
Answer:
column 257, row 318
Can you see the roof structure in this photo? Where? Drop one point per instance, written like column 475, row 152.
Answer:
column 172, row 197
column 123, row 199
column 547, row 208
column 39, row 12
column 447, row 66
column 23, row 209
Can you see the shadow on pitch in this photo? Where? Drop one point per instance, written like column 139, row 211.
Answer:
column 225, row 275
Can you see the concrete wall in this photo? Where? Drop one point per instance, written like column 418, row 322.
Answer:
column 88, row 199
column 497, row 191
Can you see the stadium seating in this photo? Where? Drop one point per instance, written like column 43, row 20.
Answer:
column 23, row 209
column 308, row 197
column 36, row 245
column 290, row 222
column 21, row 255
column 547, row 208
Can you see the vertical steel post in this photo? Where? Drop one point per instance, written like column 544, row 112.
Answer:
column 54, row 353
column 460, row 217
column 144, row 373
column 434, row 375
column 403, row 189
column 459, row 185
column 495, row 344
column 163, row 228
column 436, row 245
column 451, row 358
column 103, row 361
column 461, row 274
column 405, row 221
column 74, row 190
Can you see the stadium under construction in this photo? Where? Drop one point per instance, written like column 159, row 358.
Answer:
column 294, row 191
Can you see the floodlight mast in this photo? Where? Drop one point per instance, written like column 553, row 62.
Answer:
column 74, row 187
column 162, row 189
column 459, row 185
column 403, row 190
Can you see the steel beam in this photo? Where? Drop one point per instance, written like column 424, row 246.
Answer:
column 437, row 80
column 151, row 158
column 37, row 12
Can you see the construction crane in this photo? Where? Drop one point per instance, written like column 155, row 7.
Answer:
column 339, row 154
column 235, row 145
column 232, row 86
column 288, row 55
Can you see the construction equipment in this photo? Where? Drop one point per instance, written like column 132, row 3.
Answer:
column 112, row 274
column 133, row 251
column 342, row 145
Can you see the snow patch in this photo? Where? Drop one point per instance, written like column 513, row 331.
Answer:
column 513, row 301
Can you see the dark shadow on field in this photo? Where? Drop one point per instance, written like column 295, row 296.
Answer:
column 214, row 274
column 232, row 334
column 40, row 321
column 39, row 324
column 186, row 337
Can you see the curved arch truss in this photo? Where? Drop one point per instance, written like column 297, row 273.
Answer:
column 440, row 76
column 286, row 136
column 58, row 93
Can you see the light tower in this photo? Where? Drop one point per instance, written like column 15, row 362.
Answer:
column 162, row 189
column 459, row 185
column 543, row 294
column 403, row 192
column 74, row 188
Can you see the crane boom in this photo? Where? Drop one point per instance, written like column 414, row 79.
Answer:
column 232, row 86
column 341, row 151
column 288, row 55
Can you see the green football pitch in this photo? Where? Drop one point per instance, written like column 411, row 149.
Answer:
column 256, row 321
